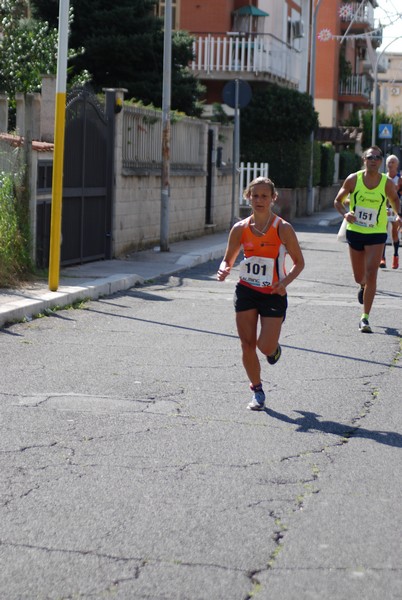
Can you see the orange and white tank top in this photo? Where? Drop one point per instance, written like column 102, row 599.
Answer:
column 264, row 257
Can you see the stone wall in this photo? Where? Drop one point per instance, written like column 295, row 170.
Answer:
column 137, row 202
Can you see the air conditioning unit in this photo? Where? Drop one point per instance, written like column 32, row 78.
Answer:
column 298, row 29
column 395, row 91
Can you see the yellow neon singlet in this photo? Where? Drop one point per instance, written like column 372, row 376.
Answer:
column 369, row 206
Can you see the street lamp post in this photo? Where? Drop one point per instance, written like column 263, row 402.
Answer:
column 374, row 120
column 59, row 131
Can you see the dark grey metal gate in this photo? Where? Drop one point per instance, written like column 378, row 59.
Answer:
column 87, row 184
column 86, row 216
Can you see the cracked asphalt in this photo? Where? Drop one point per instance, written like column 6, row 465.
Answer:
column 131, row 469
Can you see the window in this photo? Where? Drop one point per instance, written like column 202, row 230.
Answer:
column 160, row 11
column 45, row 174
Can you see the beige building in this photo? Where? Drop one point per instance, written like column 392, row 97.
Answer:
column 390, row 84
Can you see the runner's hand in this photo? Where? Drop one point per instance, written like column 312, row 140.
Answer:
column 278, row 288
column 223, row 271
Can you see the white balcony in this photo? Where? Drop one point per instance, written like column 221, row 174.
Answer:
column 356, row 85
column 257, row 55
column 359, row 12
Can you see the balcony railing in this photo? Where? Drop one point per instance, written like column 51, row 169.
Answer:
column 258, row 54
column 358, row 13
column 355, row 85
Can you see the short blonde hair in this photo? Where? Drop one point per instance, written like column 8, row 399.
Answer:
column 257, row 181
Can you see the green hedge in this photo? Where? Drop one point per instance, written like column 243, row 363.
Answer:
column 349, row 162
column 327, row 165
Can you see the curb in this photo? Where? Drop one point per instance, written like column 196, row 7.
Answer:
column 26, row 309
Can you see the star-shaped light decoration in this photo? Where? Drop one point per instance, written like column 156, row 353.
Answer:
column 325, row 35
column 346, row 11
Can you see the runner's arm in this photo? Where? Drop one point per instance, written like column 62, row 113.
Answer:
column 347, row 188
column 393, row 198
column 232, row 251
column 290, row 241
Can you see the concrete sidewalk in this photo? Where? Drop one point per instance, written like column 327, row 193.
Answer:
column 103, row 278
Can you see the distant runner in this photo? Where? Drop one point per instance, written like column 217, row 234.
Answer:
column 366, row 232
column 392, row 164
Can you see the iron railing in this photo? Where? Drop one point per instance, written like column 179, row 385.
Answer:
column 142, row 140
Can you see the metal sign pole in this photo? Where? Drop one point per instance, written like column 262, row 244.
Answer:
column 236, row 143
column 166, row 131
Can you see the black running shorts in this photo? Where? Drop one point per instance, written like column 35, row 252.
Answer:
column 357, row 240
column 267, row 305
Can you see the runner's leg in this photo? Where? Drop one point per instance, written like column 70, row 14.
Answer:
column 269, row 335
column 372, row 256
column 246, row 322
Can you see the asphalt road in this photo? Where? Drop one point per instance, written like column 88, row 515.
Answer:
column 131, row 469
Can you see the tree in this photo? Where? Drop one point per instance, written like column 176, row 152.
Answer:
column 394, row 119
column 28, row 49
column 123, row 44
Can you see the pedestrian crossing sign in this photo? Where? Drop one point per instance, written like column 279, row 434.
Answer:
column 385, row 131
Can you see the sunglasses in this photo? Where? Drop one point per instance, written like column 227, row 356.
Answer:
column 374, row 157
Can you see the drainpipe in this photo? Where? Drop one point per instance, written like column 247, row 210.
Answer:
column 310, row 190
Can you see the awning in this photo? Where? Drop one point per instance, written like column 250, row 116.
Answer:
column 250, row 11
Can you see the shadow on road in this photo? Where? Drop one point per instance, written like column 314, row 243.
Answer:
column 309, row 421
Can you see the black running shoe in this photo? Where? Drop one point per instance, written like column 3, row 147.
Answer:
column 273, row 358
column 360, row 294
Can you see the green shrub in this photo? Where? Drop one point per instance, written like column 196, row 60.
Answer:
column 15, row 260
column 275, row 128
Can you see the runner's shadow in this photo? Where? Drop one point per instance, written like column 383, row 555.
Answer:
column 309, row 422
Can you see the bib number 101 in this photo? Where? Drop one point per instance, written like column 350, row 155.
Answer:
column 256, row 269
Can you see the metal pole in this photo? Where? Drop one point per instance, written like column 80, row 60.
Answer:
column 59, row 128
column 374, row 120
column 310, row 191
column 166, row 94
column 236, row 145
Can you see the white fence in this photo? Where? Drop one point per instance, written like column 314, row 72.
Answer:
column 248, row 172
column 255, row 54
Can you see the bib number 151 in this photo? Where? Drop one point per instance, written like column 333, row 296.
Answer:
column 365, row 217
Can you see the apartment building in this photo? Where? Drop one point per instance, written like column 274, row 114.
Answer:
column 270, row 41
column 258, row 41
column 345, row 56
column 390, row 84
